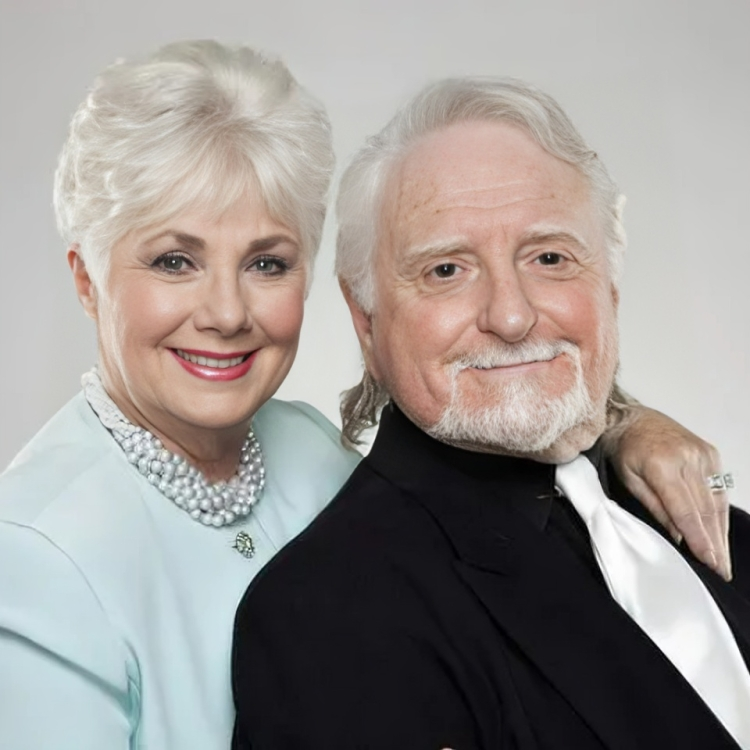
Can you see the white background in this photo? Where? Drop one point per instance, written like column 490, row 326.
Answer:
column 661, row 88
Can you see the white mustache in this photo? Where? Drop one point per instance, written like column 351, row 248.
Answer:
column 509, row 355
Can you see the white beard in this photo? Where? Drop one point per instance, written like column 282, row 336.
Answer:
column 518, row 418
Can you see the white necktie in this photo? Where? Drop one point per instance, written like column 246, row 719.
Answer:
column 658, row 589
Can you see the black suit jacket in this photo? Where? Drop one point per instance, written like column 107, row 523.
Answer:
column 421, row 610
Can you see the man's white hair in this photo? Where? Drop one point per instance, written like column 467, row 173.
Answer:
column 439, row 106
column 445, row 103
column 191, row 127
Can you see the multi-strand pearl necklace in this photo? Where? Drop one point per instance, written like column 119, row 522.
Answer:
column 212, row 503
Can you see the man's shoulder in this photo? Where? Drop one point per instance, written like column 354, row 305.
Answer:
column 741, row 518
column 367, row 509
column 372, row 532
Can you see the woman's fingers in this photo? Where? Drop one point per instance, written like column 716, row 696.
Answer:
column 642, row 492
column 724, row 525
column 713, row 506
column 683, row 503
column 667, row 468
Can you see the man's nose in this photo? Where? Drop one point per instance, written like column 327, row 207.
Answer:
column 506, row 308
column 223, row 306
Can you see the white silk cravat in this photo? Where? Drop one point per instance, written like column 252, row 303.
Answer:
column 658, row 589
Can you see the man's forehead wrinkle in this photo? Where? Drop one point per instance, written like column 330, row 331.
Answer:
column 485, row 211
column 438, row 195
column 474, row 188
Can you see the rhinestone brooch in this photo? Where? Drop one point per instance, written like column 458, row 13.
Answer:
column 244, row 544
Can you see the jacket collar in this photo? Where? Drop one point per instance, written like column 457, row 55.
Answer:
column 413, row 460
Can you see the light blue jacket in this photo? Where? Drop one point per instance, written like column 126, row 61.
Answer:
column 116, row 608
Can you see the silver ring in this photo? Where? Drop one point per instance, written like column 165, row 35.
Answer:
column 720, row 482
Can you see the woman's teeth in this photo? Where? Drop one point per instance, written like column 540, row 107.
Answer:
column 221, row 364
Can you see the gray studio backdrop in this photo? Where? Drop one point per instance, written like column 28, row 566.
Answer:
column 660, row 88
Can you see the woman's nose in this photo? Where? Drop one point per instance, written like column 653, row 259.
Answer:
column 223, row 307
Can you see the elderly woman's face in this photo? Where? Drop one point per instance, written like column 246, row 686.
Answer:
column 199, row 318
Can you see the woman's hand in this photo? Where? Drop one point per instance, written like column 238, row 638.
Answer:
column 666, row 467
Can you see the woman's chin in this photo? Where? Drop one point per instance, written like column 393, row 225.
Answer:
column 213, row 420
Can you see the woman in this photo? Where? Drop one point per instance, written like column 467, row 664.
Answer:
column 191, row 193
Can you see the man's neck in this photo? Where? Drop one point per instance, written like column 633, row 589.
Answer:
column 565, row 449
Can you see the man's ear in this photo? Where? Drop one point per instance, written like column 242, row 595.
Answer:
column 84, row 286
column 363, row 327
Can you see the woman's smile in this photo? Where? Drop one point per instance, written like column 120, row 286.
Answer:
column 215, row 365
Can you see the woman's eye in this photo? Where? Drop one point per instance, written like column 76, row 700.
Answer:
column 550, row 259
column 445, row 270
column 270, row 266
column 172, row 263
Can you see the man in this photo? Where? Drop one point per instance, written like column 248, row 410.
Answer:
column 451, row 595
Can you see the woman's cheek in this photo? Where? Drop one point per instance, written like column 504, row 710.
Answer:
column 280, row 314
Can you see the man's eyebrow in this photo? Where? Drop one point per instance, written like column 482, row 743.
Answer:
column 421, row 253
column 537, row 237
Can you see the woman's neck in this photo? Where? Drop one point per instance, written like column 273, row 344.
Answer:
column 215, row 452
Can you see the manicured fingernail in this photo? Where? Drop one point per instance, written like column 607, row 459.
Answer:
column 727, row 572
column 713, row 562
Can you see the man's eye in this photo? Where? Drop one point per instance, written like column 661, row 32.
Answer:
column 550, row 259
column 445, row 270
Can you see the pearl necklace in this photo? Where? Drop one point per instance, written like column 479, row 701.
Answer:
column 212, row 503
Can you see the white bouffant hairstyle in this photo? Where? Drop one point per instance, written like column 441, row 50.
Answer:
column 439, row 106
column 192, row 127
column 450, row 102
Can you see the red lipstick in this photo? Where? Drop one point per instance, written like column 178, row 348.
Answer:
column 205, row 372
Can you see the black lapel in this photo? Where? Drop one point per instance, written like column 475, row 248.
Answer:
column 734, row 606
column 544, row 599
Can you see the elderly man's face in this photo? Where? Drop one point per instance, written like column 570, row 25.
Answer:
column 494, row 324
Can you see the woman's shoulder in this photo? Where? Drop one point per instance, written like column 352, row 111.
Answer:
column 306, row 465
column 72, row 451
column 299, row 429
column 48, row 601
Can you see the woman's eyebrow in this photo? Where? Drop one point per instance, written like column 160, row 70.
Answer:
column 259, row 245
column 183, row 237
column 267, row 243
